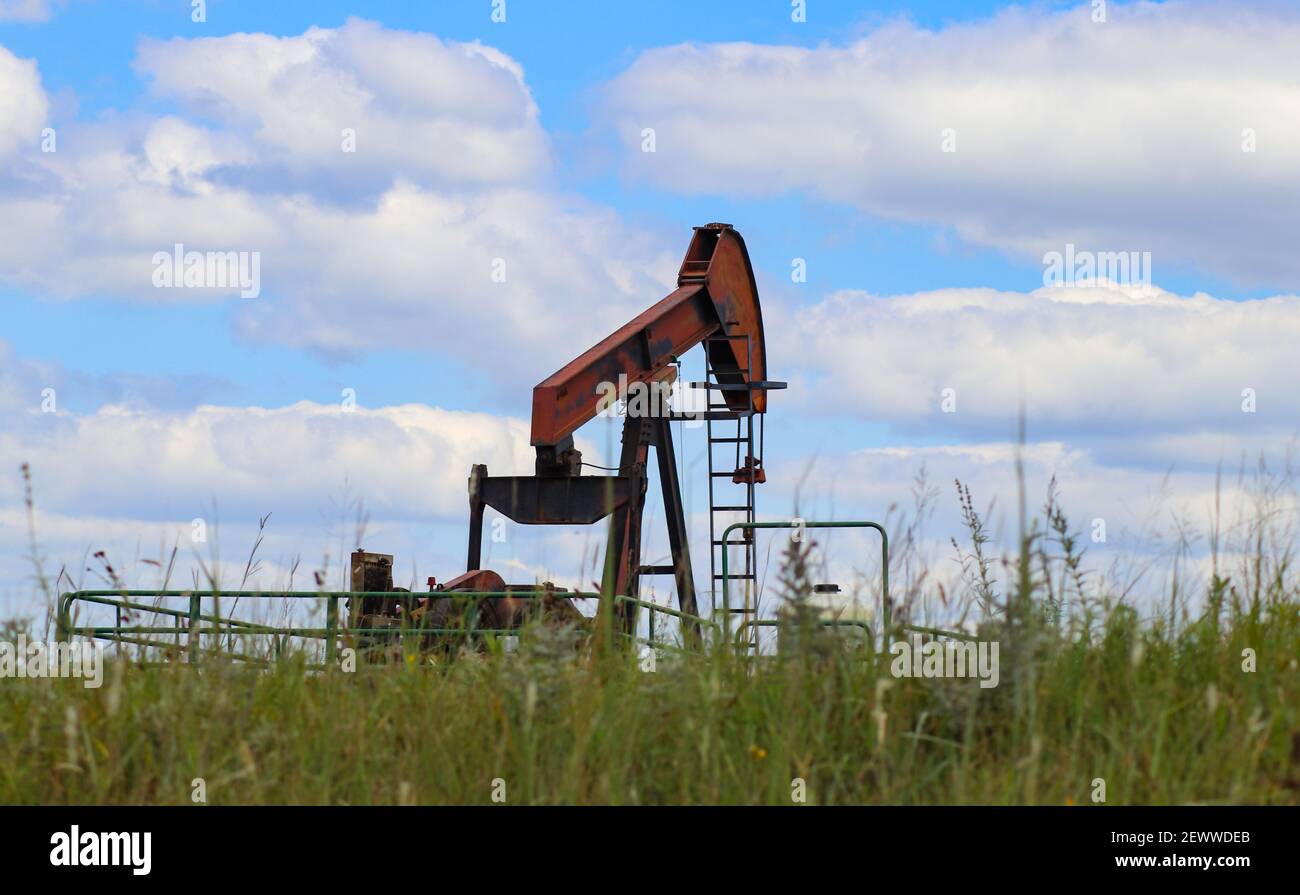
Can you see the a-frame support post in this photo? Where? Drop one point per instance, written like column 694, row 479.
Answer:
column 675, row 518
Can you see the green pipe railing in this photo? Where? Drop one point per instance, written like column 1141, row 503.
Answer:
column 939, row 632
column 195, row 618
column 125, row 600
column 886, row 627
column 122, row 599
column 776, row 622
column 802, row 524
column 667, row 610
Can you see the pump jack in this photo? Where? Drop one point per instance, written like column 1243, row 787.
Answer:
column 715, row 305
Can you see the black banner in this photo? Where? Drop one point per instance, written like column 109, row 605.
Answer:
column 370, row 846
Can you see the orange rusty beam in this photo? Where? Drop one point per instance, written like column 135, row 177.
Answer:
column 715, row 296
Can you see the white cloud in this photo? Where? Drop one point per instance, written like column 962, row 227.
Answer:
column 393, row 246
column 131, row 478
column 23, row 104
column 27, row 10
column 871, row 480
column 1089, row 362
column 421, row 108
column 409, row 461
column 1135, row 528
column 175, row 153
column 1123, row 135
column 419, row 267
column 131, row 481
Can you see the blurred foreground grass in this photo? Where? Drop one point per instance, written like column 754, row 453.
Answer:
column 1161, row 716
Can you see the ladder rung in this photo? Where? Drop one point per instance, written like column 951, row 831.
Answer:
column 733, row 610
column 732, row 509
column 657, row 570
column 728, row 440
column 740, row 386
column 727, row 416
column 749, row 576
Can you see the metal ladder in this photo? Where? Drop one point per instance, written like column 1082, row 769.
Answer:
column 737, row 453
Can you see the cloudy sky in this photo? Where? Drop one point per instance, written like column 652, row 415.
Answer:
column 900, row 172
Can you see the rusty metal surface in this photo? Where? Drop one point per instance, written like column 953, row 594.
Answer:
column 457, row 619
column 574, row 500
column 728, row 277
column 716, row 295
column 373, row 572
column 441, row 610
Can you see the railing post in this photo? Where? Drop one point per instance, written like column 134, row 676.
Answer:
column 331, row 624
column 196, row 606
column 726, row 588
column 886, row 604
column 65, row 621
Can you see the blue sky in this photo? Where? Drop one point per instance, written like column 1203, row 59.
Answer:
column 818, row 139
column 86, row 51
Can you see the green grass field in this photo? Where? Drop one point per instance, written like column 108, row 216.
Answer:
column 1197, row 701
column 1161, row 717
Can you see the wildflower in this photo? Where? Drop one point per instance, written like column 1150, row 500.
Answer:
column 758, row 752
